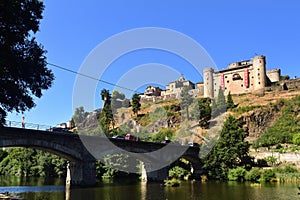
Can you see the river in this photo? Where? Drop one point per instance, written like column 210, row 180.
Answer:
column 53, row 189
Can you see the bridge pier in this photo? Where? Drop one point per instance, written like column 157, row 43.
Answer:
column 81, row 173
column 197, row 171
column 154, row 176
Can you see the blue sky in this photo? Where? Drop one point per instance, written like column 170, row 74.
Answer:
column 229, row 31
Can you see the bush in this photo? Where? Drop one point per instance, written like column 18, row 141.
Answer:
column 268, row 175
column 296, row 139
column 162, row 134
column 236, row 174
column 178, row 172
column 253, row 175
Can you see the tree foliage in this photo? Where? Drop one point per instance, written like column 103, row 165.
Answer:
column 118, row 100
column 106, row 119
column 185, row 100
column 229, row 102
column 229, row 152
column 204, row 112
column 221, row 101
column 31, row 162
column 136, row 105
column 79, row 115
column 23, row 71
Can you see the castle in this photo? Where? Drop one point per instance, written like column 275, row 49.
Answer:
column 240, row 77
column 249, row 76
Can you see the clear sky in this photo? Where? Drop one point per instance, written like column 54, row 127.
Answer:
column 229, row 31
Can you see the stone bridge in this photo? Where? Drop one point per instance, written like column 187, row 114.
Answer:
column 82, row 151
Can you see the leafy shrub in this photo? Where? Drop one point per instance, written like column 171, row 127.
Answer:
column 296, row 139
column 178, row 172
column 253, row 175
column 268, row 175
column 236, row 174
column 162, row 134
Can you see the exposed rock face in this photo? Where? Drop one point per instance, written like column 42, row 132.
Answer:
column 258, row 120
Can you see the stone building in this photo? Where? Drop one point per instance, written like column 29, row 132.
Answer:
column 175, row 87
column 240, row 77
column 150, row 92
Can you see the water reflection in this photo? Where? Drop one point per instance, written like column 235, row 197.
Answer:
column 134, row 190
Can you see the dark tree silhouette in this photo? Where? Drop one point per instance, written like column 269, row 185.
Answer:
column 136, row 105
column 23, row 72
column 106, row 118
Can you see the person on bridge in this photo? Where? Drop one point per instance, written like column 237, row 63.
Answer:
column 23, row 122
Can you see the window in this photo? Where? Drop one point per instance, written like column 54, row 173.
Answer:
column 227, row 81
column 236, row 76
column 259, row 83
column 242, row 85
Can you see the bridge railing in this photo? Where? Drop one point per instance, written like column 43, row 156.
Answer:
column 33, row 126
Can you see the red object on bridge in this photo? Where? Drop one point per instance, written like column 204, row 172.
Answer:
column 132, row 137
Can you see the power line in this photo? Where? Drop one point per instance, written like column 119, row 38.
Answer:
column 90, row 77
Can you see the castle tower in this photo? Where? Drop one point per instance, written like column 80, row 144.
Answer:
column 208, row 82
column 259, row 73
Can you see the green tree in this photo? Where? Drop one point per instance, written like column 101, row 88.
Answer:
column 205, row 112
column 31, row 162
column 106, row 118
column 23, row 71
column 214, row 108
column 221, row 101
column 229, row 102
column 230, row 151
column 117, row 99
column 185, row 100
column 136, row 105
column 79, row 115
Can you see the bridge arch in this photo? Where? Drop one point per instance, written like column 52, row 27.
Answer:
column 81, row 164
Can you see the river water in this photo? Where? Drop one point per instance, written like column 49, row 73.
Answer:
column 53, row 189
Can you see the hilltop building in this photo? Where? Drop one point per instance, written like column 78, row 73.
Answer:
column 240, row 77
column 151, row 92
column 249, row 76
column 175, row 87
